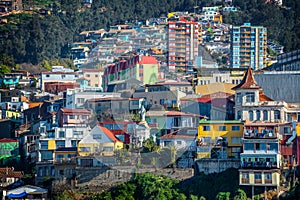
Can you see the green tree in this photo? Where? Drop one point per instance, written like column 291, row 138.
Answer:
column 149, row 146
column 240, row 195
column 223, row 196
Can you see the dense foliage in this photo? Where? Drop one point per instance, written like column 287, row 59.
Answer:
column 148, row 186
column 145, row 186
column 31, row 37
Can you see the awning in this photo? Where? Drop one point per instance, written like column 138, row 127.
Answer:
column 11, row 195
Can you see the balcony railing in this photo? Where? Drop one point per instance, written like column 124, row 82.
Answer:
column 257, row 181
column 245, row 180
column 268, row 181
column 65, row 161
column 260, row 135
column 259, row 164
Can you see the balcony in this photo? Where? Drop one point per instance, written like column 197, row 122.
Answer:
column 257, row 181
column 268, row 181
column 245, row 180
column 269, row 134
column 257, row 164
column 65, row 161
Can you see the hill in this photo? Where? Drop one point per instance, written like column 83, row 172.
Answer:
column 31, row 37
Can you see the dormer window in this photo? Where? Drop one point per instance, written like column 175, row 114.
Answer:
column 250, row 97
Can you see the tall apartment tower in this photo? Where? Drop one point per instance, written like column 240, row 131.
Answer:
column 182, row 42
column 248, row 46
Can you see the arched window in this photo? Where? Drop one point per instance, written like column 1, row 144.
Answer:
column 265, row 113
column 258, row 115
column 276, row 114
column 250, row 115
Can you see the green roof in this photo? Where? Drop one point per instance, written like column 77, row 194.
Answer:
column 220, row 122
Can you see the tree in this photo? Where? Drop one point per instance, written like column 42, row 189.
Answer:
column 223, row 196
column 240, row 195
column 149, row 146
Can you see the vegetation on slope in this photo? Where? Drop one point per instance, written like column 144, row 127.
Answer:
column 31, row 38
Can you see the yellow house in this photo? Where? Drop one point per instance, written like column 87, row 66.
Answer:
column 219, row 139
column 100, row 141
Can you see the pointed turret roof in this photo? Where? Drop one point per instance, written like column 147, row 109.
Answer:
column 248, row 82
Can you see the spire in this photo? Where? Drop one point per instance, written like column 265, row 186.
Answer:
column 248, row 82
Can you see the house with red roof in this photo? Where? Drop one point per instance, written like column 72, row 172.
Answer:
column 147, row 70
column 99, row 142
column 215, row 106
column 164, row 122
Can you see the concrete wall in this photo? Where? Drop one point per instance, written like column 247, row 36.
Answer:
column 208, row 166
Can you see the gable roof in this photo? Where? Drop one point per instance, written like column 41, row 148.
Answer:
column 89, row 137
column 248, row 82
column 109, row 134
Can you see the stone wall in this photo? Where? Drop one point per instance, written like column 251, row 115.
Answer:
column 208, row 166
column 105, row 177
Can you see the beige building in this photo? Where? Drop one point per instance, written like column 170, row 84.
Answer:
column 94, row 76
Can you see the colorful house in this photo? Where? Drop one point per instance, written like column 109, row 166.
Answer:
column 99, row 142
column 219, row 139
column 147, row 70
column 9, row 152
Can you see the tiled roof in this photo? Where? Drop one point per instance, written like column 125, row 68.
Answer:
column 148, row 60
column 9, row 172
column 263, row 97
column 248, row 82
column 175, row 136
column 8, row 140
column 109, row 134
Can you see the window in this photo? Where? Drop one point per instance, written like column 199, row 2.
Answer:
column 265, row 113
column 250, row 115
column 268, row 177
column 63, row 76
column 44, row 144
column 249, row 96
column 47, row 75
column 235, row 128
column 257, row 176
column 236, row 140
column 61, row 134
column 206, row 128
column 222, row 128
column 260, row 147
column 238, row 97
column 96, row 75
column 276, row 114
column 286, row 130
column 258, row 115
column 46, row 155
column 60, row 144
column 77, row 132
column 248, row 147
column 97, row 136
column 85, row 149
column 107, row 148
column 74, row 143
column 71, row 117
